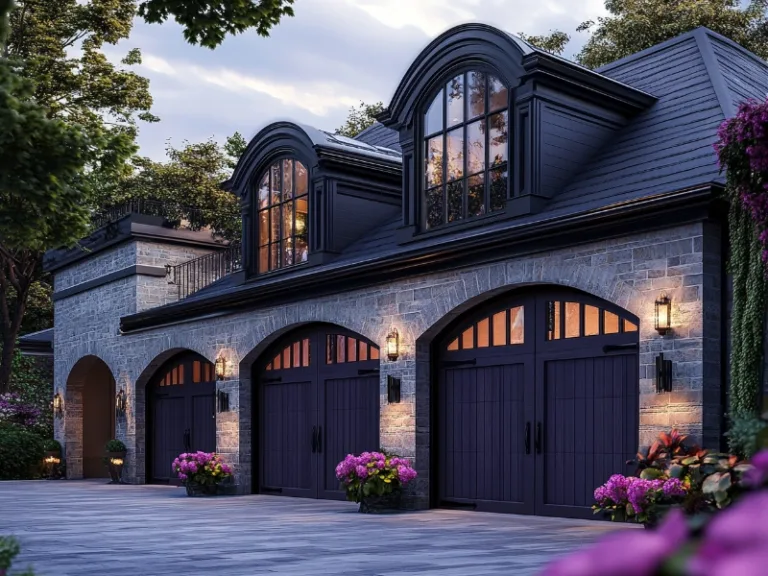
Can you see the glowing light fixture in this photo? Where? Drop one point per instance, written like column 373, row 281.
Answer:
column 58, row 405
column 120, row 403
column 221, row 367
column 393, row 344
column 663, row 319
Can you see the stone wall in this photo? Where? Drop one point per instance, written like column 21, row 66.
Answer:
column 630, row 272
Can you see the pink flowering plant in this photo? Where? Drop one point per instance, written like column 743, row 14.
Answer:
column 373, row 474
column 730, row 541
column 628, row 498
column 203, row 468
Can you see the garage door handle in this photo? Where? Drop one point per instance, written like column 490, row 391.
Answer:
column 538, row 437
column 314, row 439
column 320, row 439
column 527, row 437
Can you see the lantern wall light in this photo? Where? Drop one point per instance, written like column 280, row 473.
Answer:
column 663, row 309
column 221, row 367
column 120, row 403
column 58, row 405
column 393, row 344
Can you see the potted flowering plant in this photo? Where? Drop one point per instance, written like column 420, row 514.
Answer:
column 201, row 472
column 628, row 498
column 374, row 480
column 115, row 460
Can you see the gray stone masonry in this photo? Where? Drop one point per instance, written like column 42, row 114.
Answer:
column 630, row 272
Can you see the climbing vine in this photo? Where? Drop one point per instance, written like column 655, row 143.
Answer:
column 742, row 149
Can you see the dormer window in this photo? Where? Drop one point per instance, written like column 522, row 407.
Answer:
column 466, row 150
column 283, row 210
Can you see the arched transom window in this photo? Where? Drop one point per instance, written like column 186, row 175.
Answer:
column 283, row 210
column 466, row 143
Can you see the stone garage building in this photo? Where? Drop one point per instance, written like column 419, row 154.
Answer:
column 471, row 283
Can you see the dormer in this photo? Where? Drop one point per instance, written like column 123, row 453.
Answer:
column 306, row 194
column 492, row 128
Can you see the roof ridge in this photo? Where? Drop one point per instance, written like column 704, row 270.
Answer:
column 646, row 52
column 715, row 73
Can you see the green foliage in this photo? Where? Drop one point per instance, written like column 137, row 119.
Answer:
column 190, row 177
column 32, row 379
column 553, row 42
column 744, row 434
column 115, row 446
column 234, row 148
column 52, row 445
column 359, row 119
column 210, row 23
column 9, row 549
column 21, row 454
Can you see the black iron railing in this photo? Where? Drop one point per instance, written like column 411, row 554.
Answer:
column 196, row 274
column 176, row 215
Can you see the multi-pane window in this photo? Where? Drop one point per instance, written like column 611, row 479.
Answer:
column 576, row 320
column 466, row 149
column 283, row 223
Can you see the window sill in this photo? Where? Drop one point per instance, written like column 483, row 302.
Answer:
column 475, row 222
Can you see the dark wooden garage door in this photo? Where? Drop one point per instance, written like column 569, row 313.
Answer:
column 319, row 401
column 181, row 415
column 537, row 404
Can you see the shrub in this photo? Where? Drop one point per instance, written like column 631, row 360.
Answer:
column 52, row 445
column 115, row 446
column 744, row 433
column 21, row 454
column 9, row 549
column 206, row 469
column 373, row 474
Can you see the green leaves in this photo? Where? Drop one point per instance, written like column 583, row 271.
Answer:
column 360, row 118
column 553, row 42
column 208, row 23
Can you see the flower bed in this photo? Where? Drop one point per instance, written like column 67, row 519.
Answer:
column 201, row 472
column 374, row 480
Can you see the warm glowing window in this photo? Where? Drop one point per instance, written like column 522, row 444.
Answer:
column 501, row 329
column 282, row 220
column 466, row 149
column 294, row 355
column 574, row 320
column 340, row 349
column 201, row 371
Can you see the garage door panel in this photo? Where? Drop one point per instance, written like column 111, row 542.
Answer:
column 203, row 432
column 168, row 435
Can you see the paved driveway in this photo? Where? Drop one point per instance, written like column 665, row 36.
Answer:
column 89, row 528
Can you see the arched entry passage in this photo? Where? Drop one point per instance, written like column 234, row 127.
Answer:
column 536, row 403
column 90, row 417
column 181, row 413
column 317, row 400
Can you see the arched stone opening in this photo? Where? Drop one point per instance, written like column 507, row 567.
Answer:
column 89, row 404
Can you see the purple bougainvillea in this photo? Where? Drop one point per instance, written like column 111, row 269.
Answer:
column 206, row 468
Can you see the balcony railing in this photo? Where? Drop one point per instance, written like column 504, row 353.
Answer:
column 176, row 215
column 196, row 274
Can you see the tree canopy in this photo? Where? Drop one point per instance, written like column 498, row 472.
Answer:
column 360, row 118
column 553, row 42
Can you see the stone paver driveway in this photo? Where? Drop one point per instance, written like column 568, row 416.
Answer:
column 90, row 528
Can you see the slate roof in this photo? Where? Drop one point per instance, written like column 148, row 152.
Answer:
column 37, row 342
column 698, row 78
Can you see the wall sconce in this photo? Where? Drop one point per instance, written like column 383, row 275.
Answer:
column 393, row 344
column 663, row 319
column 663, row 374
column 221, row 367
column 58, row 405
column 393, row 390
column 120, row 403
column 222, row 401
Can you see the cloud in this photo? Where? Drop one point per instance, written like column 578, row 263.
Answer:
column 315, row 66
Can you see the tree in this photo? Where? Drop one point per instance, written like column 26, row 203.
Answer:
column 191, row 177
column 360, row 118
column 43, row 196
column 553, row 42
column 634, row 25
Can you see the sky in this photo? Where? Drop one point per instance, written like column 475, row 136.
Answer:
column 315, row 66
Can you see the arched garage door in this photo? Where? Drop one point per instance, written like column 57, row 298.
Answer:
column 537, row 403
column 181, row 413
column 318, row 400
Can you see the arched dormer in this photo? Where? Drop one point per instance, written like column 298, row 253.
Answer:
column 464, row 170
column 306, row 194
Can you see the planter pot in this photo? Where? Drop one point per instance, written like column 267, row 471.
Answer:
column 380, row 504
column 116, row 470
column 195, row 489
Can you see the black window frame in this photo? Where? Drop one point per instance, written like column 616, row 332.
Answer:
column 257, row 210
column 423, row 137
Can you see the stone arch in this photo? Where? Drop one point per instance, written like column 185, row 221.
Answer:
column 89, row 416
column 137, row 428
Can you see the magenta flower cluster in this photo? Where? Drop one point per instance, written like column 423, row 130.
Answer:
column 14, row 409
column 742, row 150
column 639, row 492
column 361, row 467
column 201, row 467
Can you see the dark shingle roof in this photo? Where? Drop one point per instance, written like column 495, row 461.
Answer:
column 37, row 342
column 379, row 135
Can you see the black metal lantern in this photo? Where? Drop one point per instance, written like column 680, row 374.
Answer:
column 221, row 367
column 393, row 344
column 663, row 320
column 120, row 403
column 393, row 390
column 58, row 405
